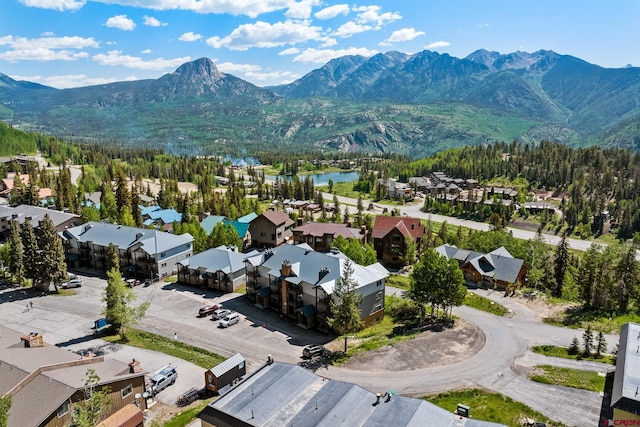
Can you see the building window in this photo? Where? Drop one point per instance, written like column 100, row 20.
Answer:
column 379, row 295
column 63, row 409
column 164, row 264
column 377, row 307
column 262, row 234
column 163, row 254
column 126, row 391
column 379, row 282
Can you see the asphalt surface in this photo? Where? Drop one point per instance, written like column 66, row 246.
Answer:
column 66, row 321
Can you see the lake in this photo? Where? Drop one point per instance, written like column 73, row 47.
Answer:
column 322, row 178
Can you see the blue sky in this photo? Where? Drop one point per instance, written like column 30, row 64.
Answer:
column 68, row 43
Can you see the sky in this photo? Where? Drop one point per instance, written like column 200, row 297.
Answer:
column 71, row 43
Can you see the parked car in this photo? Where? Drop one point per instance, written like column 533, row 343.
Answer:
column 208, row 310
column 73, row 283
column 313, row 350
column 220, row 313
column 230, row 319
column 163, row 379
column 132, row 282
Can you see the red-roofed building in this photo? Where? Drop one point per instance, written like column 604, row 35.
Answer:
column 320, row 235
column 389, row 234
column 270, row 229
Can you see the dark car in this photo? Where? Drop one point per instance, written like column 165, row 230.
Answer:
column 313, row 350
column 207, row 310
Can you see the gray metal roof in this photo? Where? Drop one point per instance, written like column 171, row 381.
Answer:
column 221, row 258
column 625, row 394
column 224, row 367
column 308, row 264
column 282, row 394
column 36, row 214
column 152, row 241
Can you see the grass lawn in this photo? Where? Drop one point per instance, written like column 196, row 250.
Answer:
column 400, row 282
column 490, row 407
column 198, row 356
column 577, row 317
column 343, row 189
column 567, row 377
column 377, row 336
column 63, row 292
column 555, row 351
column 484, row 304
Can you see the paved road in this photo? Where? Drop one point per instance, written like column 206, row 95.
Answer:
column 498, row 366
column 414, row 210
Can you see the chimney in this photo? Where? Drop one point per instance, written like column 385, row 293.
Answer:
column 139, row 235
column 268, row 254
column 323, row 272
column 300, row 221
column 286, row 268
column 363, row 231
column 134, row 366
column 34, row 339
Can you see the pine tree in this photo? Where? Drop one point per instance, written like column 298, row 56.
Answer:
column 574, row 348
column 561, row 264
column 31, row 255
column 53, row 268
column 123, row 198
column 16, row 254
column 601, row 344
column 345, row 309
column 112, row 261
column 135, row 207
column 587, row 338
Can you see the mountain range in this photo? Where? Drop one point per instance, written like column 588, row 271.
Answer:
column 391, row 102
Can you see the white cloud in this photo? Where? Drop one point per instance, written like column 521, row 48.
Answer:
column 72, row 80
column 301, row 9
column 68, row 42
column 60, row 5
column 189, row 37
column 483, row 26
column 290, row 51
column 403, row 35
column 146, row 51
column 115, row 57
column 371, row 14
column 230, row 67
column 280, row 76
column 42, row 54
column 264, row 34
column 322, row 56
column 332, row 11
column 250, row 8
column 350, row 28
column 153, row 22
column 121, row 22
column 436, row 45
column 46, row 48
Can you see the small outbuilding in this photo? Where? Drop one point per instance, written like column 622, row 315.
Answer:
column 223, row 376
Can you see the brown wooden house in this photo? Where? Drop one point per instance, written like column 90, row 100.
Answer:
column 270, row 229
column 389, row 234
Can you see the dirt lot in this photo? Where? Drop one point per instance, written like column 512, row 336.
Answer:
column 426, row 350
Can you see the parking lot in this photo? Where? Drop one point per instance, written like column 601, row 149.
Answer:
column 67, row 321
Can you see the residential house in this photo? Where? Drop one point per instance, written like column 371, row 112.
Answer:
column 35, row 215
column 270, row 229
column 7, row 185
column 625, row 400
column 320, row 235
column 539, row 207
column 282, row 394
column 25, row 163
column 496, row 270
column 144, row 253
column 160, row 218
column 45, row 381
column 389, row 237
column 395, row 190
column 298, row 282
column 210, row 222
column 220, row 268
column 241, row 225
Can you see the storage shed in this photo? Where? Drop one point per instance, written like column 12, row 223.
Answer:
column 223, row 376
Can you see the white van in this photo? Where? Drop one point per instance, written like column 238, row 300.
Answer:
column 230, row 319
column 163, row 379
